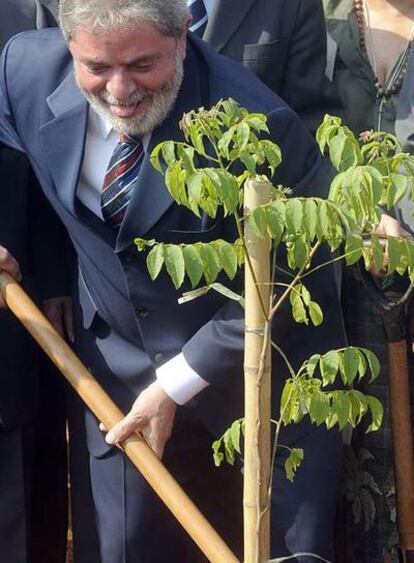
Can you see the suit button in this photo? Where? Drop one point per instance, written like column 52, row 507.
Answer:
column 142, row 312
column 159, row 358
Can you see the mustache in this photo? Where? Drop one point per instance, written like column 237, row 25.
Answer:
column 134, row 98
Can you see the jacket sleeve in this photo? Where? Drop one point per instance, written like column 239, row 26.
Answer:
column 50, row 249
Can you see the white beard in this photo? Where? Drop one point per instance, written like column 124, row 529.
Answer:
column 155, row 113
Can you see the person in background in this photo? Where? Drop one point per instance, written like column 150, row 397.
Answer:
column 33, row 507
column 371, row 64
column 282, row 42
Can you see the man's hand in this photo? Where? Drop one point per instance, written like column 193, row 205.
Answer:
column 152, row 415
column 59, row 312
column 10, row 265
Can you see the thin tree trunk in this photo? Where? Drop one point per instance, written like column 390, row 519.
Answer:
column 257, row 384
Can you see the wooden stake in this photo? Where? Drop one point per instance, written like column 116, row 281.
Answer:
column 257, row 384
column 108, row 413
column 402, row 438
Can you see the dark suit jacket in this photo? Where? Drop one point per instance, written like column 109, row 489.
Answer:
column 116, row 294
column 28, row 229
column 284, row 43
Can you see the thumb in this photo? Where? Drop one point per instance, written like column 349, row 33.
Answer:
column 123, row 429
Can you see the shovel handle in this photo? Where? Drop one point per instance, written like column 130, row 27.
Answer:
column 402, row 443
column 141, row 455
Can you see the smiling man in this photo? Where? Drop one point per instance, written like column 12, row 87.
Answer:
column 101, row 98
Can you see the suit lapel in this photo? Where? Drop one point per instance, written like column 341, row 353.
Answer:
column 64, row 139
column 224, row 20
column 151, row 198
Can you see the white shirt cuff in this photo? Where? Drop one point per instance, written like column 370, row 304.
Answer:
column 179, row 380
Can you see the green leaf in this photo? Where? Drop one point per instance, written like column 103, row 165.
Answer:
column 300, row 252
column 175, row 181
column 358, row 406
column 288, row 402
column 195, row 191
column 249, row 161
column 210, row 261
column 276, row 217
column 258, row 222
column 396, row 255
column 350, row 365
column 273, row 155
column 312, row 363
column 310, row 217
column 324, row 223
column 218, row 456
column 229, row 450
column 329, row 365
column 186, row 154
column 235, row 432
column 353, row 248
column 168, row 151
column 396, row 189
column 224, row 142
column 319, row 407
column 193, row 264
column 243, row 133
column 344, row 152
column 174, row 262
column 228, row 257
column 315, row 313
column 377, row 252
column 293, row 462
column 341, row 406
column 294, row 216
column 155, row 261
column 377, row 413
column 155, row 158
column 373, row 363
column 299, row 310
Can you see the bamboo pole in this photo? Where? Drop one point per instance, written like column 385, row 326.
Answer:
column 257, row 384
column 108, row 413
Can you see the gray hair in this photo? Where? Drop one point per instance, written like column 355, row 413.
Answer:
column 168, row 15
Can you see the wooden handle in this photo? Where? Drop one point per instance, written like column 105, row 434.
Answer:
column 109, row 414
column 402, row 442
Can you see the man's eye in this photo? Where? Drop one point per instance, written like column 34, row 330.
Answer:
column 96, row 69
column 143, row 67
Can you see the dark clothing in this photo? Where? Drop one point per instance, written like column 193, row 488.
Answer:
column 284, row 44
column 30, row 230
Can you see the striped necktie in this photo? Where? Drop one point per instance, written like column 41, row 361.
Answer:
column 200, row 17
column 120, row 179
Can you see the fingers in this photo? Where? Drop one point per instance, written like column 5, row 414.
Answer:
column 9, row 264
column 53, row 311
column 59, row 312
column 123, row 429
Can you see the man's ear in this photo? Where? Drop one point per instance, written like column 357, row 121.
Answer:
column 182, row 40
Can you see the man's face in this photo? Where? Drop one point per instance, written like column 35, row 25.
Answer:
column 130, row 77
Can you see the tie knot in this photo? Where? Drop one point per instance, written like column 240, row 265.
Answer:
column 129, row 139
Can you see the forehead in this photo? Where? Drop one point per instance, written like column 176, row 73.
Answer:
column 121, row 45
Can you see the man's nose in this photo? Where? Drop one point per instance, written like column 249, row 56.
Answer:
column 120, row 86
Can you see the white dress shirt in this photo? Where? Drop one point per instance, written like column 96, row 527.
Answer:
column 177, row 378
